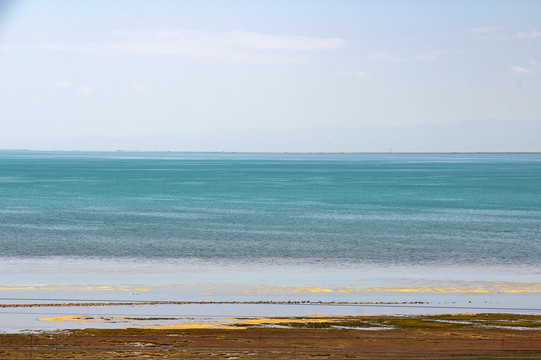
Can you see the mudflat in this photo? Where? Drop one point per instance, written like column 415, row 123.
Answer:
column 427, row 336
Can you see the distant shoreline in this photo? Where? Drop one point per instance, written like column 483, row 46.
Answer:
column 146, row 302
column 291, row 152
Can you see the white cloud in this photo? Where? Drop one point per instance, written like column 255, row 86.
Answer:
column 532, row 34
column 425, row 56
column 479, row 32
column 64, row 84
column 385, row 57
column 276, row 42
column 229, row 46
column 482, row 29
column 38, row 101
column 523, row 35
column 138, row 87
column 84, row 91
column 434, row 54
column 354, row 75
column 520, row 70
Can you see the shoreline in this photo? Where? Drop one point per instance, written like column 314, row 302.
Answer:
column 288, row 152
column 391, row 304
column 323, row 322
column 372, row 322
column 144, row 302
column 110, row 315
column 194, row 290
column 420, row 337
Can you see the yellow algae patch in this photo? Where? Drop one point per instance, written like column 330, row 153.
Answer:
column 286, row 289
column 259, row 321
column 90, row 318
column 128, row 319
column 435, row 286
column 479, row 287
column 74, row 288
column 312, row 290
column 426, row 289
column 238, row 323
column 71, row 318
column 194, row 326
column 3, row 288
column 120, row 318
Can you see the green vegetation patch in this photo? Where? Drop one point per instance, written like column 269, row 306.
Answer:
column 350, row 324
column 525, row 323
column 485, row 316
column 447, row 321
column 419, row 323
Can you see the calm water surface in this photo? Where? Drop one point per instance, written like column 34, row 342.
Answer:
column 273, row 209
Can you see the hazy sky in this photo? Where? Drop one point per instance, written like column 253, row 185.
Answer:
column 113, row 67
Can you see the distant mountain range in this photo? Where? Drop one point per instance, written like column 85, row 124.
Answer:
column 463, row 136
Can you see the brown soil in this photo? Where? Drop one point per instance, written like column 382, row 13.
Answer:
column 413, row 338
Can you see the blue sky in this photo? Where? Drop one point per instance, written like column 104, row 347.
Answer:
column 72, row 68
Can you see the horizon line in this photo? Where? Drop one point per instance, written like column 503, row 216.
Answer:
column 279, row 152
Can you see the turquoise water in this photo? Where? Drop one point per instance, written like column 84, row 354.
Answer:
column 328, row 209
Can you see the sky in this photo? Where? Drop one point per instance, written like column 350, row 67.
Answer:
column 135, row 68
